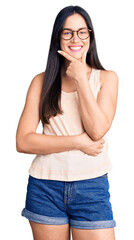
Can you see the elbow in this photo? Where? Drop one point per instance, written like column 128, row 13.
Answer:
column 96, row 137
column 19, row 145
column 99, row 134
column 23, row 144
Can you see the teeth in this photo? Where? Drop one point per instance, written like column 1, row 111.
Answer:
column 75, row 48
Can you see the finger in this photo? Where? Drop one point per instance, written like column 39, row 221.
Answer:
column 101, row 146
column 66, row 55
column 99, row 151
column 84, row 57
column 102, row 141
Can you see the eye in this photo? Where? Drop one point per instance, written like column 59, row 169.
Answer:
column 82, row 32
column 66, row 32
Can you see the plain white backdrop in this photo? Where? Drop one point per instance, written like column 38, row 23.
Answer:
column 26, row 28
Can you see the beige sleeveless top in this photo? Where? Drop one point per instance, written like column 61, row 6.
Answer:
column 75, row 164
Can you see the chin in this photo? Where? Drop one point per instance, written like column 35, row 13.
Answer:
column 77, row 57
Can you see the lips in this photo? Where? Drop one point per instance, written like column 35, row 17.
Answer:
column 75, row 48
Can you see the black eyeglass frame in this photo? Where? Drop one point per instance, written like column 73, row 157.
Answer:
column 73, row 33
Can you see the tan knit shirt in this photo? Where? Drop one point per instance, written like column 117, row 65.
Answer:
column 71, row 165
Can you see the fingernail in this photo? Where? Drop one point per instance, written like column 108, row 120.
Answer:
column 58, row 51
column 85, row 54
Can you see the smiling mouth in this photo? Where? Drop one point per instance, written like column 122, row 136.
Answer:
column 75, row 49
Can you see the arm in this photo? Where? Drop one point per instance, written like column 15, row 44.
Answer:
column 97, row 116
column 35, row 143
column 27, row 140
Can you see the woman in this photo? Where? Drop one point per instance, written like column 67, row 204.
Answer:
column 75, row 99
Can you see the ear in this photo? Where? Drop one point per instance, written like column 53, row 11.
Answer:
column 84, row 57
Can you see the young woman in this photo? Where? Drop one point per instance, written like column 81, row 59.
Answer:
column 75, row 99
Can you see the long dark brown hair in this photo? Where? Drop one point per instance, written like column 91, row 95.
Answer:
column 51, row 91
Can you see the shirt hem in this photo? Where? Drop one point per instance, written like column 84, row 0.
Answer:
column 69, row 178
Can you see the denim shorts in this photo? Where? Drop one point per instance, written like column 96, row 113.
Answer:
column 83, row 204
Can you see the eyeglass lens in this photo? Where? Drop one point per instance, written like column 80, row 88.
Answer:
column 82, row 33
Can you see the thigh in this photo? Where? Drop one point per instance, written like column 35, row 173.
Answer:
column 50, row 232
column 94, row 234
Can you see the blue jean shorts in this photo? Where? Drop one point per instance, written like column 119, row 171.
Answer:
column 83, row 204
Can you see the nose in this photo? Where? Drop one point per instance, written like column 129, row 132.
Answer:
column 75, row 37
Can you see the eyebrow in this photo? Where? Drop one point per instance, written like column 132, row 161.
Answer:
column 74, row 30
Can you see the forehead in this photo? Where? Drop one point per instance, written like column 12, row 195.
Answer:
column 75, row 21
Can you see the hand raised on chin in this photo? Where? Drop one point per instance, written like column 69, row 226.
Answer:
column 76, row 69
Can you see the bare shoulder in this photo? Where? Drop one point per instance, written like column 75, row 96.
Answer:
column 35, row 89
column 38, row 79
column 40, row 75
column 108, row 77
column 30, row 116
column 36, row 84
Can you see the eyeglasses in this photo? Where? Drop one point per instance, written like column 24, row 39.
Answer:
column 82, row 33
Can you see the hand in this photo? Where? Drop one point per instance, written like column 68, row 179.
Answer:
column 89, row 146
column 77, row 69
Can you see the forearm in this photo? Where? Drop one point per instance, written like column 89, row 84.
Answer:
column 93, row 118
column 35, row 143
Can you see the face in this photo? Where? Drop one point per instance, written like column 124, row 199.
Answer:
column 75, row 22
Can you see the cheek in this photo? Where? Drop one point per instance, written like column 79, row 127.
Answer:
column 62, row 45
column 87, row 45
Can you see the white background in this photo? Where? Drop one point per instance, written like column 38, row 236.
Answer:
column 26, row 28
